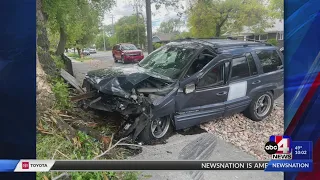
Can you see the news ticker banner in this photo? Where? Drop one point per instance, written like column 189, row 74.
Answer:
column 129, row 165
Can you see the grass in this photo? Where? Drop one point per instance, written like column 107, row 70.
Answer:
column 57, row 147
column 77, row 57
column 54, row 145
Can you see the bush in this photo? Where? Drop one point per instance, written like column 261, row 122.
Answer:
column 157, row 45
column 273, row 42
column 59, row 62
column 61, row 93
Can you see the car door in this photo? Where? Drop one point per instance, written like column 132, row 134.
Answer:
column 118, row 52
column 271, row 68
column 203, row 99
column 243, row 78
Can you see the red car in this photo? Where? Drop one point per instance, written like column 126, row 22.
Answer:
column 126, row 53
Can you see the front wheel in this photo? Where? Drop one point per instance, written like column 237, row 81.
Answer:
column 122, row 60
column 260, row 107
column 156, row 129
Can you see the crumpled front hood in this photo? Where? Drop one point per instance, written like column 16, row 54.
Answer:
column 120, row 80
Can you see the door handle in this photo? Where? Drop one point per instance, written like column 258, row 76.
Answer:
column 256, row 82
column 222, row 93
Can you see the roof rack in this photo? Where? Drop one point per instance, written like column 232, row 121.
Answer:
column 244, row 44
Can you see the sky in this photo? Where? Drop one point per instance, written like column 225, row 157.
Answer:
column 126, row 8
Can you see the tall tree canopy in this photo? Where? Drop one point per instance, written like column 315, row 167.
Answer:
column 171, row 26
column 208, row 18
column 127, row 29
column 277, row 8
column 76, row 21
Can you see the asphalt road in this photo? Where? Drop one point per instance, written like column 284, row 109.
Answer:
column 201, row 146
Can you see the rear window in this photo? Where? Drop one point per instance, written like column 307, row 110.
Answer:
column 270, row 60
column 240, row 68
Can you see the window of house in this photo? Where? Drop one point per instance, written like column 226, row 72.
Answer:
column 280, row 36
column 252, row 65
column 270, row 60
column 263, row 37
column 240, row 68
column 213, row 77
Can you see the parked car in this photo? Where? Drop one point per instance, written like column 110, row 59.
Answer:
column 188, row 82
column 92, row 50
column 126, row 53
column 86, row 52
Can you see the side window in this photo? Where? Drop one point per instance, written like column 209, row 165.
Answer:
column 270, row 60
column 213, row 77
column 202, row 60
column 252, row 64
column 240, row 68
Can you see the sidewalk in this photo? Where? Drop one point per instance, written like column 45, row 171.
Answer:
column 202, row 146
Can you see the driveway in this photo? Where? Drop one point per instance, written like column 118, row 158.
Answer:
column 200, row 146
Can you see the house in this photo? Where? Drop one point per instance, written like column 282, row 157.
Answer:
column 163, row 37
column 275, row 32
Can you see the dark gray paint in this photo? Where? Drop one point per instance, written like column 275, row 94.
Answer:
column 203, row 104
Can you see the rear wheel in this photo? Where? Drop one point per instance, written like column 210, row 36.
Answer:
column 115, row 59
column 157, row 129
column 260, row 107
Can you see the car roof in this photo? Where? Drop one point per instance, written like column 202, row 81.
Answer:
column 230, row 46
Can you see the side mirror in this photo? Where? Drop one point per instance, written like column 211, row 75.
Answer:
column 189, row 88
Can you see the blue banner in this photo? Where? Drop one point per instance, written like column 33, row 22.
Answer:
column 301, row 150
column 290, row 165
column 8, row 165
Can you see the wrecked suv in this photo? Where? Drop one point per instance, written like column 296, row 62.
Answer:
column 188, row 82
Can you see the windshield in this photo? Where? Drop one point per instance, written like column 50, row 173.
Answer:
column 168, row 60
column 128, row 47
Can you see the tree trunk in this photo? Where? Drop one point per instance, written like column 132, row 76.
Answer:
column 218, row 31
column 62, row 42
column 43, row 43
column 79, row 52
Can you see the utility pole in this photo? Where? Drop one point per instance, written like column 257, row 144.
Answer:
column 149, row 26
column 104, row 39
column 137, row 8
column 112, row 24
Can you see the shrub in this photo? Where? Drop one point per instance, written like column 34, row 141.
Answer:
column 61, row 92
column 273, row 42
column 157, row 45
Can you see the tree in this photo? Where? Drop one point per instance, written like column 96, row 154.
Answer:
column 171, row 26
column 276, row 9
column 183, row 35
column 209, row 18
column 126, row 30
column 70, row 18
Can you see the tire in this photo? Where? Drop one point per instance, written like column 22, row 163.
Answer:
column 147, row 135
column 122, row 60
column 115, row 59
column 252, row 111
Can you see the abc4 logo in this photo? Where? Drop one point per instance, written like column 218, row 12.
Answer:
column 272, row 147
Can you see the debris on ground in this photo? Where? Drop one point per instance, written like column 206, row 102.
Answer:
column 246, row 134
column 71, row 80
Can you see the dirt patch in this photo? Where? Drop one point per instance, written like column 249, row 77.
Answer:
column 246, row 134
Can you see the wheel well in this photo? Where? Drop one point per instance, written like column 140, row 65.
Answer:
column 272, row 91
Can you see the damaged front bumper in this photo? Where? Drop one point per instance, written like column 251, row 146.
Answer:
column 136, row 109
